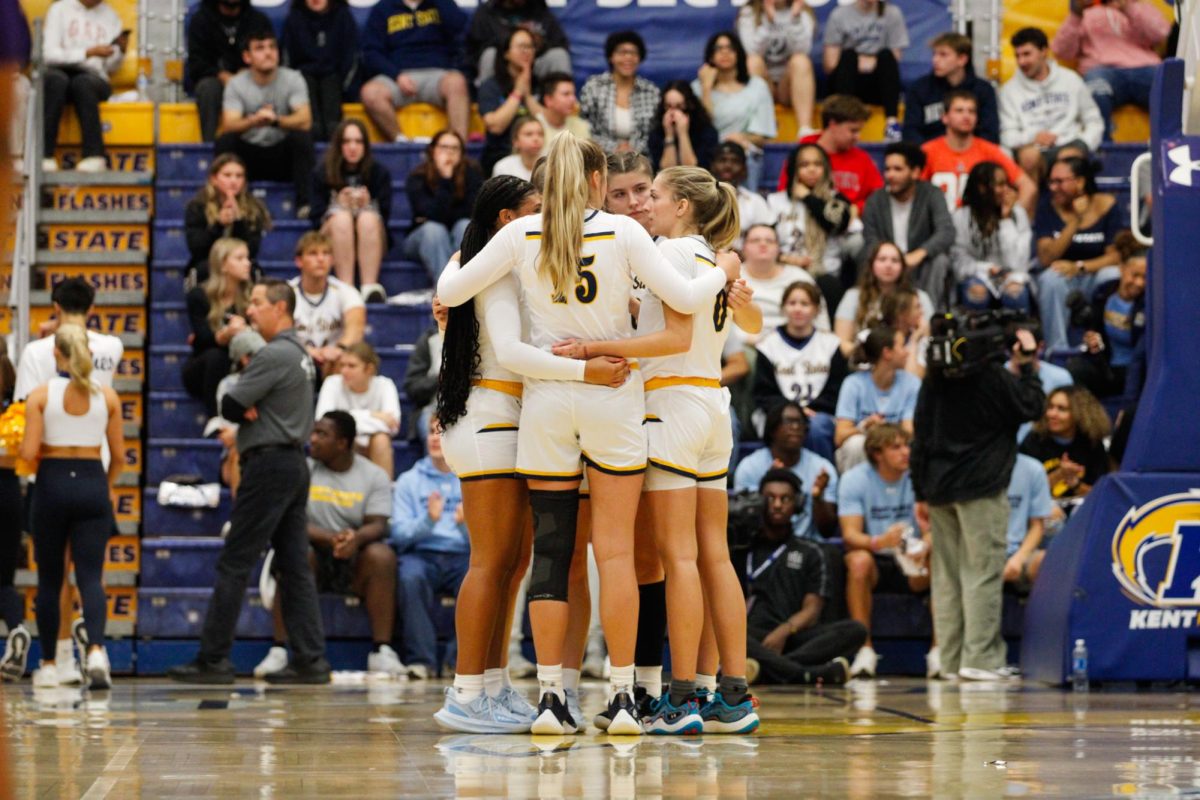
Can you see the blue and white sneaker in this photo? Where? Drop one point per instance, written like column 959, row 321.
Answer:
column 480, row 715
column 720, row 717
column 516, row 703
column 553, row 718
column 669, row 719
column 575, row 709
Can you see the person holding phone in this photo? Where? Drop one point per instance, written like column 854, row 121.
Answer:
column 83, row 44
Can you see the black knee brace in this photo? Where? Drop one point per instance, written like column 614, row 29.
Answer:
column 554, row 518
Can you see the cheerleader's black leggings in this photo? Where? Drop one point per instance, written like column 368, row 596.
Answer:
column 12, row 607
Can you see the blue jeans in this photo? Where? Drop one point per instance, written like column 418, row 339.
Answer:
column 1053, row 289
column 820, row 435
column 977, row 295
column 1113, row 87
column 421, row 579
column 432, row 243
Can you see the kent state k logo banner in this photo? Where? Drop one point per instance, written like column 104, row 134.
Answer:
column 1156, row 559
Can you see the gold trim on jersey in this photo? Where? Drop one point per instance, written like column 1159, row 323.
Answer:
column 549, row 476
column 675, row 380
column 611, row 470
column 593, row 237
column 485, row 475
column 705, row 260
column 497, row 426
column 514, row 388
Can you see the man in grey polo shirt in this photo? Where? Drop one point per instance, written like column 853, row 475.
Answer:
column 266, row 118
column 273, row 406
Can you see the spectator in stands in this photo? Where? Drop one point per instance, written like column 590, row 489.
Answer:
column 788, row 583
column 1075, row 228
column 1118, row 323
column 507, row 97
column 216, row 314
column 1069, row 441
column 428, row 532
column 778, row 37
column 798, row 361
column 66, row 422
column 559, row 107
column 729, row 165
column 223, row 208
column 349, row 503
column 410, row 51
column 241, row 349
column 901, row 310
column 82, row 45
column 266, row 119
column 424, row 364
column 859, row 308
column 949, row 158
column 876, row 512
column 370, row 398
column 441, row 191
column 215, row 35
column 864, row 42
column 619, row 105
column 923, row 100
column 1044, row 107
column 740, row 104
column 15, row 62
column 352, row 202
column 991, row 243
column 329, row 315
column 320, row 41
column 1115, row 44
column 913, row 214
column 629, row 179
column 494, row 22
column 1051, row 376
column 815, row 222
column 1030, row 507
column 770, row 278
column 854, row 172
column 682, row 135
column 528, row 140
column 787, row 430
column 885, row 393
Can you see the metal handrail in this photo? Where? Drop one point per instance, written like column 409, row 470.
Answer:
column 25, row 249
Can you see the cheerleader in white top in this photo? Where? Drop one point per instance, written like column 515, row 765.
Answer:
column 479, row 405
column 576, row 267
column 690, row 441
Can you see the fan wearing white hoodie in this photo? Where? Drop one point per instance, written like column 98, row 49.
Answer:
column 83, row 44
column 1045, row 106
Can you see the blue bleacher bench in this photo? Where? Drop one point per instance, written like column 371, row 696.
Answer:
column 179, row 613
column 170, row 239
column 172, row 196
column 170, row 456
column 173, row 521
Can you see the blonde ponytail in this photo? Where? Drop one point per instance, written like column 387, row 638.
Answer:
column 569, row 164
column 714, row 203
column 71, row 341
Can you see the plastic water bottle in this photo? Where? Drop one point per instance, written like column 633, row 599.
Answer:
column 143, row 84
column 1079, row 666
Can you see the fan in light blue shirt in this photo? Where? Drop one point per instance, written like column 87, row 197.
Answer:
column 1029, row 505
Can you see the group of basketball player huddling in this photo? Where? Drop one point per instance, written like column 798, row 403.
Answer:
column 580, row 381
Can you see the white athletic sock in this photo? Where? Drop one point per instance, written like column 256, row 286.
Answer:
column 650, row 679
column 493, row 681
column 505, row 677
column 550, row 679
column 706, row 682
column 467, row 687
column 571, row 679
column 64, row 650
column 620, row 680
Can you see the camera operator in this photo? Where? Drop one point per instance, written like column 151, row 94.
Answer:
column 962, row 460
column 1113, row 322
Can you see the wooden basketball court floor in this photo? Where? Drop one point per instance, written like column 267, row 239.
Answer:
column 886, row 738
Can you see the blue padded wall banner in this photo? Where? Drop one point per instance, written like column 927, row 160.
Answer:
column 676, row 30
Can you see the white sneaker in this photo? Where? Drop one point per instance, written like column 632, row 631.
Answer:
column 373, row 293
column 16, row 652
column 92, row 164
column 98, row 669
column 593, row 665
column 46, row 676
column 519, row 666
column 933, row 663
column 49, row 165
column 277, row 659
column 65, row 662
column 385, row 660
column 978, row 674
column 864, row 663
column 418, row 672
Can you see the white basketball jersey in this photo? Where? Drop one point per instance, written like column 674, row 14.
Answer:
column 691, row 256
column 37, row 365
column 489, row 365
column 801, row 373
column 318, row 318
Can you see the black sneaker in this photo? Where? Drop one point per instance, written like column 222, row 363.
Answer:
column 314, row 673
column 553, row 718
column 623, row 719
column 203, row 672
column 644, row 702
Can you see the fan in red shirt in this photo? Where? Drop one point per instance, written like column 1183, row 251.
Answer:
column 854, row 172
column 949, row 158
